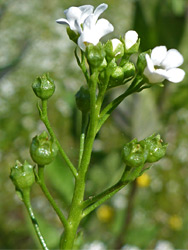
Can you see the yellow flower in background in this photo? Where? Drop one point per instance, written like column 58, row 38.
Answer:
column 175, row 222
column 105, row 213
column 143, row 180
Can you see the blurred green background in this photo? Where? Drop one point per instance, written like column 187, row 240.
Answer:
column 150, row 212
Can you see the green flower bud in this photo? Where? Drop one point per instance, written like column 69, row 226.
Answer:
column 43, row 150
column 132, row 42
column 134, row 154
column 22, row 175
column 83, row 99
column 117, row 77
column 155, row 147
column 103, row 65
column 114, row 49
column 95, row 54
column 43, row 87
column 129, row 70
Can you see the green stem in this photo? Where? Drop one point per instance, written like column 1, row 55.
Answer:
column 97, row 200
column 44, row 118
column 82, row 136
column 75, row 214
column 48, row 195
column 26, row 200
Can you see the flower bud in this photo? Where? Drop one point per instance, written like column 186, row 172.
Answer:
column 131, row 42
column 43, row 150
column 114, row 49
column 155, row 147
column 134, row 154
column 129, row 70
column 43, row 87
column 117, row 77
column 83, row 99
column 95, row 54
column 22, row 175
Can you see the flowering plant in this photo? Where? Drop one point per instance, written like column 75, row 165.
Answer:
column 105, row 66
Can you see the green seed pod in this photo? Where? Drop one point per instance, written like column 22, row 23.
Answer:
column 22, row 175
column 129, row 69
column 114, row 49
column 134, row 154
column 155, row 147
column 43, row 87
column 83, row 99
column 95, row 55
column 43, row 150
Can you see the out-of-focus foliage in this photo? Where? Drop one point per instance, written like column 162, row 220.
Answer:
column 140, row 215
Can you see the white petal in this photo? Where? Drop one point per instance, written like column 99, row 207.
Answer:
column 103, row 27
column 80, row 42
column 131, row 38
column 89, row 23
column 158, row 54
column 173, row 59
column 175, row 75
column 86, row 8
column 115, row 43
column 150, row 64
column 72, row 13
column 86, row 11
column 62, row 21
column 99, row 10
column 153, row 77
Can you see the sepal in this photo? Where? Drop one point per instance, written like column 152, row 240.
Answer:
column 141, row 61
column 72, row 35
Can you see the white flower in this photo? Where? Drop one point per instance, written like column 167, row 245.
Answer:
column 94, row 29
column 75, row 16
column 131, row 38
column 162, row 64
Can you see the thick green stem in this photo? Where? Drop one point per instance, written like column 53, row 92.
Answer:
column 44, row 118
column 26, row 200
column 75, row 214
column 48, row 195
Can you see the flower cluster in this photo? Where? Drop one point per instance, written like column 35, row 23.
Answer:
column 84, row 21
column 87, row 28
